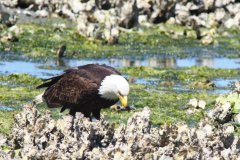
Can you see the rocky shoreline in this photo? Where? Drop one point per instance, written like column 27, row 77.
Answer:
column 37, row 136
column 105, row 19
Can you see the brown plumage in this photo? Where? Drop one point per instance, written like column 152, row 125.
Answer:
column 77, row 90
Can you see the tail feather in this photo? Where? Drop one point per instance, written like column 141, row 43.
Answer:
column 47, row 84
column 38, row 99
column 50, row 81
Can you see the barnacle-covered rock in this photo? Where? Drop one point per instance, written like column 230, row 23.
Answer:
column 3, row 140
column 7, row 18
column 103, row 19
column 37, row 136
column 222, row 113
column 194, row 106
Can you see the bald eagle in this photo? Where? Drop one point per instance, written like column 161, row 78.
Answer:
column 86, row 89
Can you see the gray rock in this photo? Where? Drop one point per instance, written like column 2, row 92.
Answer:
column 207, row 40
column 3, row 140
column 230, row 23
column 9, row 3
column 128, row 17
column 208, row 4
column 237, row 118
column 142, row 19
column 182, row 13
column 7, row 18
column 222, row 3
column 42, row 13
column 220, row 14
column 222, row 113
column 233, row 9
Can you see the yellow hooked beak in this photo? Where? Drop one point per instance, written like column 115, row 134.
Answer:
column 123, row 100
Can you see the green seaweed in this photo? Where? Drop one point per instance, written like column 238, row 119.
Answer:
column 165, row 107
column 182, row 74
column 17, row 89
column 233, row 98
column 6, row 121
column 41, row 40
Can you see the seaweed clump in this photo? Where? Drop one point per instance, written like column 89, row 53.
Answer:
column 37, row 136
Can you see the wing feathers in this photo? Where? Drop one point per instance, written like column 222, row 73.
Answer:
column 70, row 89
column 50, row 82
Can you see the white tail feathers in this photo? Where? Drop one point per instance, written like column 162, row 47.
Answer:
column 38, row 99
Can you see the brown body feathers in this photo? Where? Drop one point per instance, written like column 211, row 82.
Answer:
column 77, row 90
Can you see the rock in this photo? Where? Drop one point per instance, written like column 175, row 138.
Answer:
column 237, row 87
column 128, row 14
column 16, row 30
column 237, row 20
column 3, row 140
column 222, row 112
column 9, row 37
column 237, row 118
column 9, row 3
column 228, row 129
column 171, row 21
column 182, row 14
column 7, row 19
column 220, row 14
column 142, row 19
column 230, row 23
column 233, row 9
column 111, row 31
column 225, row 153
column 208, row 4
column 193, row 102
column 233, row 22
column 207, row 40
column 144, row 6
column 222, row 3
column 202, row 104
column 101, row 19
column 87, row 29
column 42, row 13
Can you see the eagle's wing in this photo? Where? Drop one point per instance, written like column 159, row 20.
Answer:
column 70, row 89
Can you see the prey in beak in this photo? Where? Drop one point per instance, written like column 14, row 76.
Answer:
column 124, row 104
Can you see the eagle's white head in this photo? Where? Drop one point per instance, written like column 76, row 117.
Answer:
column 114, row 87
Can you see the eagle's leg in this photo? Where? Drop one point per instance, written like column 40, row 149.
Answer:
column 72, row 112
column 87, row 115
column 96, row 113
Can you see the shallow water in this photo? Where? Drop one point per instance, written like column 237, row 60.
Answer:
column 6, row 108
column 222, row 86
column 53, row 67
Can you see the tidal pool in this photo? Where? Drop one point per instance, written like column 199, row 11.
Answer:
column 51, row 67
column 6, row 108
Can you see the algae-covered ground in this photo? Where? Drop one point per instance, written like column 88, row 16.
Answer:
column 41, row 39
column 167, row 104
column 38, row 41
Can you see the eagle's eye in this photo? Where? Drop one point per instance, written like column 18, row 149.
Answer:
column 119, row 93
